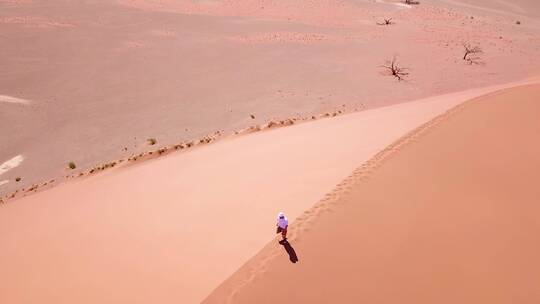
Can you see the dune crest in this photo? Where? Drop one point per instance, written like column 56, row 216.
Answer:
column 171, row 221
column 445, row 212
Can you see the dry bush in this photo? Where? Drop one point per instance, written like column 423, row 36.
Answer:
column 412, row 2
column 395, row 70
column 151, row 141
column 17, row 179
column 386, row 22
column 162, row 150
column 471, row 50
column 72, row 165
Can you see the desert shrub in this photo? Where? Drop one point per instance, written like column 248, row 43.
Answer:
column 395, row 69
column 386, row 22
column 151, row 141
column 471, row 50
column 72, row 165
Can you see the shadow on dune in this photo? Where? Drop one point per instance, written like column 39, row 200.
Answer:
column 290, row 251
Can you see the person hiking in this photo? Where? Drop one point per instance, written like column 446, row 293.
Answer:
column 282, row 224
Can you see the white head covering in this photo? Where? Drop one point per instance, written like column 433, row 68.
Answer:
column 282, row 220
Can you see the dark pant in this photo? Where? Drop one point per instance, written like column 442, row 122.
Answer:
column 283, row 231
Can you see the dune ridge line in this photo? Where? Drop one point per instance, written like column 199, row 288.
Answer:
column 257, row 265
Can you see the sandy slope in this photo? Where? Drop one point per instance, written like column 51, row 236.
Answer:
column 517, row 9
column 448, row 215
column 172, row 229
column 90, row 81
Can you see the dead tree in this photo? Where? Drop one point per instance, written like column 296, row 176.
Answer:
column 386, row 22
column 471, row 50
column 395, row 70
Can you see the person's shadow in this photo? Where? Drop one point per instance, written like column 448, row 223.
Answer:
column 290, row 250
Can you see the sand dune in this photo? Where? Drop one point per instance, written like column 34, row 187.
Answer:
column 113, row 81
column 447, row 215
column 174, row 228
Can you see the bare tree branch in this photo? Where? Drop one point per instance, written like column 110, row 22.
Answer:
column 470, row 50
column 395, row 70
column 386, row 22
column 469, row 53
